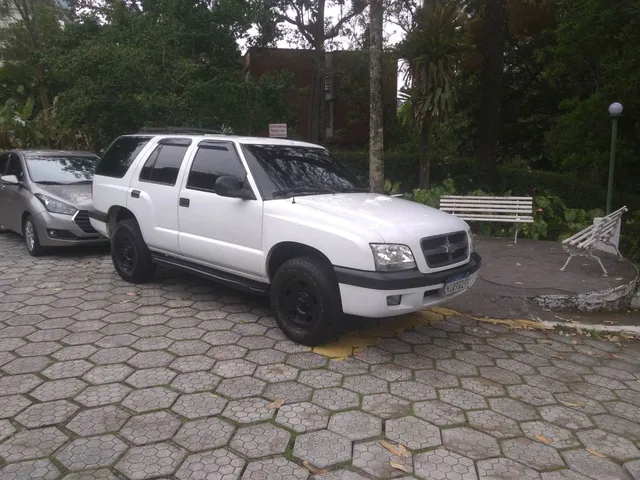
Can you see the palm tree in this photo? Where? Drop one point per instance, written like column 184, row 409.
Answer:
column 432, row 51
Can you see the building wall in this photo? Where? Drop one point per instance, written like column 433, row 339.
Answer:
column 346, row 90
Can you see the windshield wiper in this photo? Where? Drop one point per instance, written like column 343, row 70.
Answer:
column 304, row 190
column 81, row 182
column 353, row 189
column 48, row 182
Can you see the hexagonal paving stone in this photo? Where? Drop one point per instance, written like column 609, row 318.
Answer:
column 504, row 468
column 204, row 434
column 414, row 391
column 276, row 372
column 266, row 356
column 218, row 464
column 26, row 365
column 150, row 461
column 248, row 410
column 463, row 399
column 101, row 474
column 386, row 405
column 107, row 374
column 44, row 414
column 482, row 386
column 611, row 445
column 355, row 425
column 336, row 398
column 557, row 436
column 151, row 377
column 513, row 409
column 320, row 378
column 593, row 467
column 500, row 375
column 531, row 453
column 618, row 425
column 566, row 417
column 6, row 429
column 108, row 356
column 58, row 389
column 290, row 392
column 470, row 443
column 439, row 413
column 98, row 420
column 376, row 460
column 365, row 384
column 71, row 368
column 88, row 453
column 413, row 433
column 34, row 469
column 199, row 405
column 151, row 427
column 241, row 387
column 322, row 448
column 103, row 394
column 442, row 464
column 234, row 368
column 195, row 382
column 278, row 468
column 624, row 410
column 493, row 423
column 633, row 468
column 436, row 379
column 532, row 395
column 29, row 444
column 11, row 405
column 15, row 384
column 391, row 372
column 148, row 399
column 192, row 363
column 260, row 440
column 302, row 417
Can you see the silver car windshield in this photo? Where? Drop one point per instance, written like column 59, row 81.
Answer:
column 60, row 169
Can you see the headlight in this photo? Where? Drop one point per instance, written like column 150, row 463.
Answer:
column 55, row 206
column 390, row 257
column 472, row 242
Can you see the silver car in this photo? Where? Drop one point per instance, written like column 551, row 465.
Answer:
column 46, row 195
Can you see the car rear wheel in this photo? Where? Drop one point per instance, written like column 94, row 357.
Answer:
column 130, row 254
column 31, row 239
column 306, row 300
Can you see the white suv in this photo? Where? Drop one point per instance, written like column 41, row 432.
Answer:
column 277, row 217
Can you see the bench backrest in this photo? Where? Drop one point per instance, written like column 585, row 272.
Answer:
column 501, row 209
column 601, row 232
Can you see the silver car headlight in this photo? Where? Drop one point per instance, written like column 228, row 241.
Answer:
column 55, row 206
column 390, row 257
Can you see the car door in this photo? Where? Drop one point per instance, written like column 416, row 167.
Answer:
column 14, row 197
column 223, row 232
column 153, row 193
column 4, row 162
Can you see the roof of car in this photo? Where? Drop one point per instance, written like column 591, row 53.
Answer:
column 233, row 138
column 53, row 153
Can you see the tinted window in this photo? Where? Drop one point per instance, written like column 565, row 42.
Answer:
column 164, row 164
column 15, row 166
column 4, row 160
column 62, row 169
column 120, row 155
column 211, row 162
column 278, row 168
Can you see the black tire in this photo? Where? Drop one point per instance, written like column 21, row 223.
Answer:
column 31, row 239
column 130, row 255
column 306, row 300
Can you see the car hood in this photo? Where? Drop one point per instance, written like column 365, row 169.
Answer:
column 78, row 196
column 394, row 219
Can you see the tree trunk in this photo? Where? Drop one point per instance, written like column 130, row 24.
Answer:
column 491, row 80
column 376, row 131
column 425, row 156
column 317, row 98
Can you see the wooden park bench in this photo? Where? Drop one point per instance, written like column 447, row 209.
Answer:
column 489, row 209
column 583, row 243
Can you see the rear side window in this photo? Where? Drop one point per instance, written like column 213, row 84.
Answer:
column 164, row 163
column 120, row 155
column 212, row 161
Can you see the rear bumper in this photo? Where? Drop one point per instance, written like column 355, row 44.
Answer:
column 365, row 293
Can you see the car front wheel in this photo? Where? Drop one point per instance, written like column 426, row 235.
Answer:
column 130, row 254
column 30, row 233
column 306, row 300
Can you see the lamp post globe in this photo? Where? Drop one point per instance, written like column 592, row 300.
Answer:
column 615, row 109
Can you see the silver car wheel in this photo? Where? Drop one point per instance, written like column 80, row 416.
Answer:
column 29, row 235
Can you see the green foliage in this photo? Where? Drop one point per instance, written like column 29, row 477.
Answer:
column 391, row 188
column 431, row 196
column 630, row 237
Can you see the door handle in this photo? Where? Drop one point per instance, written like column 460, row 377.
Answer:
column 184, row 202
column 135, row 193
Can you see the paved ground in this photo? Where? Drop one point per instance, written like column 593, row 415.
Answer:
column 181, row 379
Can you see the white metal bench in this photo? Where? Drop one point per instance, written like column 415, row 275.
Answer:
column 586, row 241
column 489, row 209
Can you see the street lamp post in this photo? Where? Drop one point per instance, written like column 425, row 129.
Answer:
column 615, row 110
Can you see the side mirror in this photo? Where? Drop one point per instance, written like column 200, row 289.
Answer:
column 231, row 186
column 10, row 179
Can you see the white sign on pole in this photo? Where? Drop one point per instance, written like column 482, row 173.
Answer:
column 278, row 130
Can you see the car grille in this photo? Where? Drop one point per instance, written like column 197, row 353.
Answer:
column 443, row 250
column 82, row 220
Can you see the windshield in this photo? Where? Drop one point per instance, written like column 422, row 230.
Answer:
column 282, row 170
column 61, row 169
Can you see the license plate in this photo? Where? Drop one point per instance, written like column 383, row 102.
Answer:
column 455, row 284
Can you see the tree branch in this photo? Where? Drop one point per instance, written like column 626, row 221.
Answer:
column 335, row 30
column 298, row 23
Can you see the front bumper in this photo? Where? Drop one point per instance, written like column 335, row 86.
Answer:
column 364, row 293
column 68, row 232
